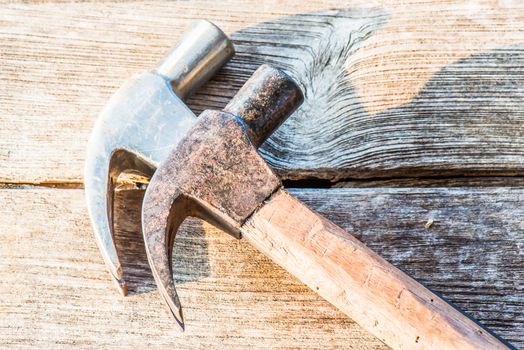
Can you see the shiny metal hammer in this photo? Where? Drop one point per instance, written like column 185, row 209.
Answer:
column 141, row 123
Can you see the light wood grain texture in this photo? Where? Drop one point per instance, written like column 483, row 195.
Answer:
column 55, row 290
column 407, row 88
column 393, row 89
column 378, row 296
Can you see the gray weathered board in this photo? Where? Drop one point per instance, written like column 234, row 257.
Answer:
column 409, row 106
column 56, row 292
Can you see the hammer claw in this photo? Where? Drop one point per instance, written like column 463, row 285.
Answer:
column 164, row 221
column 99, row 184
column 101, row 176
column 142, row 121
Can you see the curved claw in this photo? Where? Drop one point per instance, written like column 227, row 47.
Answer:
column 162, row 214
column 143, row 120
column 135, row 131
column 99, row 188
column 101, row 175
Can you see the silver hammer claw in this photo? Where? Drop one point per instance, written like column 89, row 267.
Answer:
column 142, row 121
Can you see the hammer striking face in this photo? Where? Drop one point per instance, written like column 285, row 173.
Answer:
column 141, row 123
column 216, row 174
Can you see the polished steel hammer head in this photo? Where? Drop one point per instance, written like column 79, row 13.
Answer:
column 142, row 121
column 215, row 172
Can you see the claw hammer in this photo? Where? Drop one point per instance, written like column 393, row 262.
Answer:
column 215, row 173
column 142, row 121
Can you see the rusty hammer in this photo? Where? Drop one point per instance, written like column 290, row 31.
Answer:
column 216, row 174
column 142, row 121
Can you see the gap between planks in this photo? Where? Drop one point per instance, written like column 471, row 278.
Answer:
column 501, row 181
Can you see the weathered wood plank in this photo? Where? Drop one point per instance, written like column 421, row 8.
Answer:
column 55, row 291
column 398, row 89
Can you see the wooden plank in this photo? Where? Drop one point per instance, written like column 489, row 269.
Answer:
column 56, row 293
column 403, row 88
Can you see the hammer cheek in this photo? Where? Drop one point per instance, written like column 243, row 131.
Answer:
column 225, row 172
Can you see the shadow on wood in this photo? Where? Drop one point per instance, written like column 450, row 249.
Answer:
column 462, row 123
column 190, row 260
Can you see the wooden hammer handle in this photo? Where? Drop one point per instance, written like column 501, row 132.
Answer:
column 375, row 294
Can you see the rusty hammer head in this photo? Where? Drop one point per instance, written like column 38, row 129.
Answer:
column 215, row 173
column 142, row 121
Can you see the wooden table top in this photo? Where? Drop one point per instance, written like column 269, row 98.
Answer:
column 411, row 137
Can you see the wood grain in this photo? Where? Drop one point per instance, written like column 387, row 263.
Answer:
column 55, row 291
column 393, row 89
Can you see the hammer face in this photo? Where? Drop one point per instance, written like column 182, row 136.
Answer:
column 135, row 131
